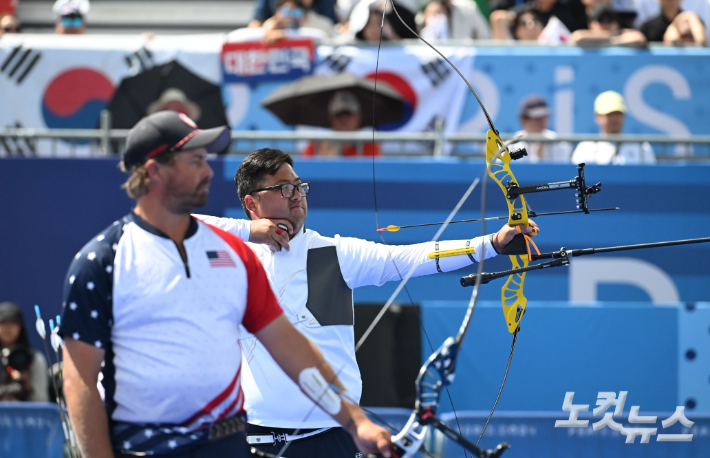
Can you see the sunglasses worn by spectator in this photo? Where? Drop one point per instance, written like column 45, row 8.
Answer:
column 288, row 189
column 72, row 22
column 11, row 29
column 296, row 13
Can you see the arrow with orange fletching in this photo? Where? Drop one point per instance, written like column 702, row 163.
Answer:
column 531, row 214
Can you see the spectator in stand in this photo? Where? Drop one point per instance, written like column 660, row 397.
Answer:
column 674, row 26
column 366, row 23
column 294, row 15
column 453, row 19
column 365, row 12
column 648, row 9
column 569, row 12
column 527, row 26
column 610, row 113
column 8, row 7
column 626, row 10
column 70, row 16
column 16, row 363
column 534, row 117
column 175, row 100
column 605, row 30
column 265, row 9
column 30, row 371
column 686, row 28
column 344, row 113
column 9, row 24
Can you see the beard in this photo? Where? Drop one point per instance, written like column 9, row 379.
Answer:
column 182, row 201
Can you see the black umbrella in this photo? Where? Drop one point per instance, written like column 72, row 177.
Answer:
column 139, row 94
column 305, row 101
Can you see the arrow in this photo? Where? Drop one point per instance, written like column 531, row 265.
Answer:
column 531, row 214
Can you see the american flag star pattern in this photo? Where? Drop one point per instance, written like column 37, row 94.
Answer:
column 220, row 258
column 151, row 423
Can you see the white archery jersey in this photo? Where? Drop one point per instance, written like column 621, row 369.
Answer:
column 273, row 399
column 170, row 328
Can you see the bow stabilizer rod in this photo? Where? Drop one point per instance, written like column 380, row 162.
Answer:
column 562, row 257
column 565, row 253
column 470, row 280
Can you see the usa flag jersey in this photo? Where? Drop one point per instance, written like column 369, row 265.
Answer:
column 169, row 327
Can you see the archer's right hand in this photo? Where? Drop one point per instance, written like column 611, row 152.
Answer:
column 266, row 231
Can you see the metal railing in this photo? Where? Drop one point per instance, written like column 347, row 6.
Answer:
column 27, row 142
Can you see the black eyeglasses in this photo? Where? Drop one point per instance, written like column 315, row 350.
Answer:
column 288, row 189
column 11, row 29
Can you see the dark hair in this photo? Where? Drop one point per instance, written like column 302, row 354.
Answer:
column 527, row 10
column 299, row 3
column 255, row 167
column 12, row 311
column 603, row 14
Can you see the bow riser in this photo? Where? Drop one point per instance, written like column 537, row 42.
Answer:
column 501, row 174
column 408, row 442
column 512, row 298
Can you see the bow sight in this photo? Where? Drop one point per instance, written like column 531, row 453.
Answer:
column 513, row 190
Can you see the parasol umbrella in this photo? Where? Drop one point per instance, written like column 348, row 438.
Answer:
column 305, row 101
column 167, row 86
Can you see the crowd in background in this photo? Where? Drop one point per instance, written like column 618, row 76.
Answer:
column 580, row 22
column 551, row 22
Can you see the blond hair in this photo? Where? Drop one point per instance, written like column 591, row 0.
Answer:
column 136, row 185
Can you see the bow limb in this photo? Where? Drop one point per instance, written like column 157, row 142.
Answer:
column 434, row 376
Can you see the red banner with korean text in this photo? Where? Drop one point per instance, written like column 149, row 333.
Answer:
column 287, row 59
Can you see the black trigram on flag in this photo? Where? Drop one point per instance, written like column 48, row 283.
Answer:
column 337, row 63
column 140, row 60
column 436, row 70
column 14, row 146
column 19, row 63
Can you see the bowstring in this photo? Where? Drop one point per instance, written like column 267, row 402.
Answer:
column 474, row 295
column 403, row 283
column 473, row 91
column 439, row 232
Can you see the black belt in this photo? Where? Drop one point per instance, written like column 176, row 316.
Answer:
column 141, row 440
column 227, row 427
